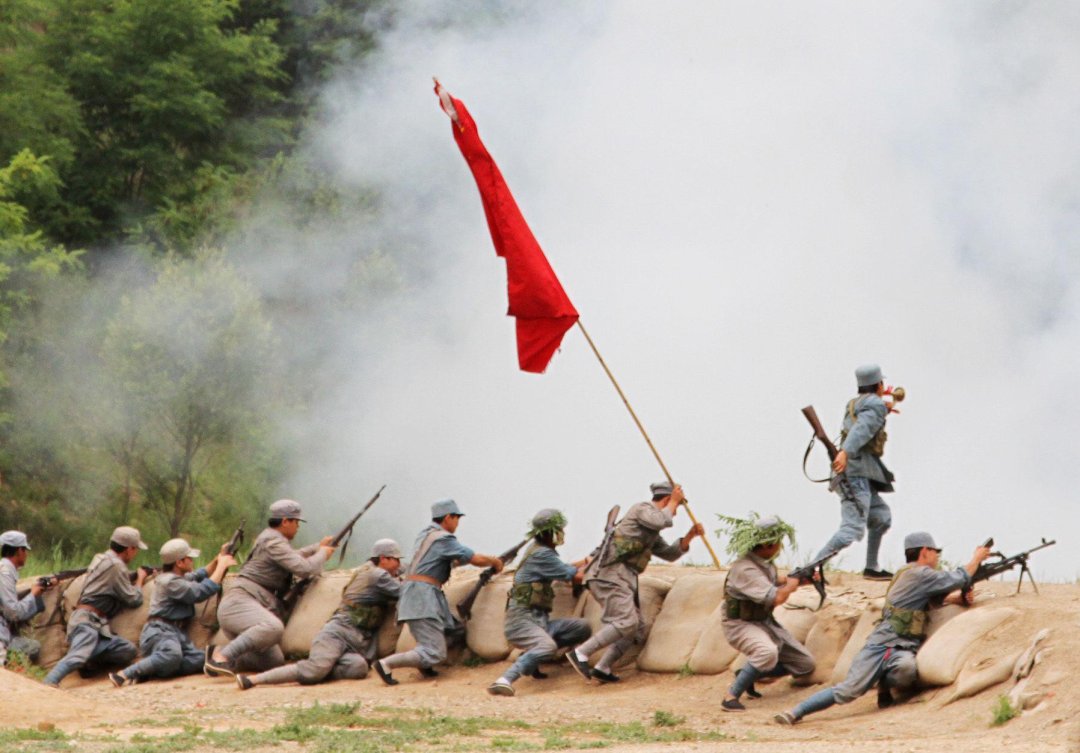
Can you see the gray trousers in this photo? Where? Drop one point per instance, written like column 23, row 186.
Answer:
column 86, row 646
column 894, row 667
column 430, row 645
column 334, row 654
column 864, row 510
column 28, row 647
column 539, row 637
column 166, row 652
column 764, row 650
column 254, row 630
column 623, row 625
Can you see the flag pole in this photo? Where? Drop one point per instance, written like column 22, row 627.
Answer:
column 644, row 434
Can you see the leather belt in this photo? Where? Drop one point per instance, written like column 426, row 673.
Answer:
column 92, row 610
column 178, row 624
column 425, row 579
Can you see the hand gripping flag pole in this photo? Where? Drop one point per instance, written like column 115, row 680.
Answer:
column 541, row 308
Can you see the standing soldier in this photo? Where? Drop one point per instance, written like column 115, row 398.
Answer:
column 528, row 609
column 14, row 549
column 253, row 610
column 346, row 645
column 888, row 658
column 423, row 606
column 165, row 647
column 108, row 588
column 612, row 577
column 751, row 592
column 860, row 476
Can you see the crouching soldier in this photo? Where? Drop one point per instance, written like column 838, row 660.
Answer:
column 252, row 610
column 14, row 549
column 888, row 658
column 423, row 606
column 164, row 644
column 751, row 592
column 347, row 643
column 108, row 588
column 528, row 609
column 612, row 577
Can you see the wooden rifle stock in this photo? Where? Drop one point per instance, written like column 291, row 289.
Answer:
column 465, row 606
column 819, row 431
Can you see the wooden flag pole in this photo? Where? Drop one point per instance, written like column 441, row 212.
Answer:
column 645, row 434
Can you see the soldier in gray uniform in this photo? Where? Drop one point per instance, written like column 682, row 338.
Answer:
column 751, row 591
column 612, row 577
column 108, row 588
column 888, row 658
column 346, row 645
column 531, row 598
column 251, row 611
column 14, row 550
column 423, row 606
column 860, row 475
column 165, row 647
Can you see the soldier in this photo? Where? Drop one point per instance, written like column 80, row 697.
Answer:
column 528, row 626
column 860, row 476
column 751, row 592
column 612, row 577
column 108, row 588
column 165, row 647
column 423, row 606
column 14, row 550
column 888, row 658
column 252, row 610
column 346, row 645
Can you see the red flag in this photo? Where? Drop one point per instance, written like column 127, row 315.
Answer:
column 537, row 300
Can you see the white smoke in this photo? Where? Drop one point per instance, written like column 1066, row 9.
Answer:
column 745, row 202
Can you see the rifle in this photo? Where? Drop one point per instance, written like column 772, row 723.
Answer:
column 609, row 531
column 1004, row 564
column 48, row 581
column 806, row 573
column 296, row 590
column 837, row 480
column 150, row 570
column 237, row 540
column 464, row 606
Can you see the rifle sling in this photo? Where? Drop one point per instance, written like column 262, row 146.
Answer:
column 806, row 457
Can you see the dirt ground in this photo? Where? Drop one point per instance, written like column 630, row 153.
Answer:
column 921, row 724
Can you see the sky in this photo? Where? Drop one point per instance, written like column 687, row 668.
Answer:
column 745, row 202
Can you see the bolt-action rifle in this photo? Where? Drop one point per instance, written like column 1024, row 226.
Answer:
column 237, row 539
column 807, row 573
column 1002, row 564
column 836, row 480
column 465, row 606
column 296, row 590
column 48, row 581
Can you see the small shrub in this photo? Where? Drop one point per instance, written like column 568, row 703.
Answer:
column 1003, row 711
column 667, row 719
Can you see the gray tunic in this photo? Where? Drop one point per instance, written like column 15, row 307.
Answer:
column 643, row 522
column 870, row 414
column 424, row 601
column 914, row 588
column 541, row 564
column 14, row 610
column 108, row 588
column 175, row 597
column 272, row 564
column 371, row 586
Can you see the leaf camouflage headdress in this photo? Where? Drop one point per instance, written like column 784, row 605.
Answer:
column 547, row 520
column 745, row 534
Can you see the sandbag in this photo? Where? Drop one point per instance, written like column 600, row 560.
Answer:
column 826, row 642
column 484, row 631
column 651, row 593
column 796, row 620
column 685, row 613
column 319, row 601
column 712, row 654
column 942, row 655
column 976, row 677
column 856, row 640
column 938, row 616
column 48, row 626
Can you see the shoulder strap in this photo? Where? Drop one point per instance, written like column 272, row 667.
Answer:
column 437, row 533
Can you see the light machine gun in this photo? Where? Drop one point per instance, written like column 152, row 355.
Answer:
column 807, row 573
column 998, row 563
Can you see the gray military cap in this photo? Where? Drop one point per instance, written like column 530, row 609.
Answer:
column 128, row 536
column 445, row 507
column 16, row 539
column 175, row 550
column 662, row 487
column 868, row 375
column 386, row 548
column 919, row 540
column 286, row 509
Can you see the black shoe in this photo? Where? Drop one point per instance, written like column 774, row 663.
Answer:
column 884, row 697
column 429, row 672
column 244, row 682
column 120, row 680
column 876, row 574
column 732, row 704
column 581, row 667
column 751, row 692
column 214, row 668
column 384, row 675
column 538, row 675
column 603, row 676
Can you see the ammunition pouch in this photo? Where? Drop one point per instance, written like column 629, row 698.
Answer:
column 631, row 552
column 906, row 623
column 539, row 595
column 366, row 616
column 744, row 609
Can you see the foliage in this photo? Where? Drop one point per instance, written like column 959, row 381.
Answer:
column 667, row 719
column 743, row 534
column 1003, row 711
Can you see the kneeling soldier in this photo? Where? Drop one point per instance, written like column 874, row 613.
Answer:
column 347, row 644
column 751, row 592
column 888, row 658
column 14, row 549
column 528, row 626
column 164, row 644
column 423, row 606
column 107, row 589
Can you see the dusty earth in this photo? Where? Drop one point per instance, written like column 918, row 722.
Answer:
column 152, row 711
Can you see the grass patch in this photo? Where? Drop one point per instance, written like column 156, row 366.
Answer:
column 667, row 719
column 685, row 671
column 474, row 661
column 20, row 663
column 1003, row 711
